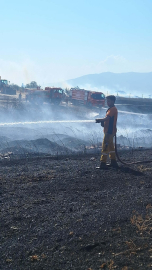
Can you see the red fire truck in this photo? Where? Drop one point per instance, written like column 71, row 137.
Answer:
column 55, row 95
column 86, row 97
column 52, row 95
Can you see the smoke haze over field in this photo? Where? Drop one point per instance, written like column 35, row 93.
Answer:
column 131, row 84
column 67, row 137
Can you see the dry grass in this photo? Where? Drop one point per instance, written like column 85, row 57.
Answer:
column 144, row 169
column 144, row 225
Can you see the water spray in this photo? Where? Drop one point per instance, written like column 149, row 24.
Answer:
column 46, row 122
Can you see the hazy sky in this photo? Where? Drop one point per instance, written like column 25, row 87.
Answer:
column 56, row 40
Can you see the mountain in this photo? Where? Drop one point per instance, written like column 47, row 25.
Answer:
column 122, row 83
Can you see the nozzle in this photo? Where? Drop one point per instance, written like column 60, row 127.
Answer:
column 98, row 120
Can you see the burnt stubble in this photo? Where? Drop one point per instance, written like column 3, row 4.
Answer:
column 65, row 214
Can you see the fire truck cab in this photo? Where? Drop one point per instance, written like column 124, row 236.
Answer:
column 54, row 94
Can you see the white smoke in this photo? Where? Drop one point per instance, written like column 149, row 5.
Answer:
column 19, row 72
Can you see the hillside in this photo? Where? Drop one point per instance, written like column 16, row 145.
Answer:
column 123, row 83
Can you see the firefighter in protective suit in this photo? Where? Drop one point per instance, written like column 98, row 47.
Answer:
column 109, row 124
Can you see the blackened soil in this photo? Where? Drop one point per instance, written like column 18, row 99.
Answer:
column 66, row 214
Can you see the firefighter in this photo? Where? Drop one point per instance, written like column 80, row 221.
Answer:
column 109, row 124
column 20, row 97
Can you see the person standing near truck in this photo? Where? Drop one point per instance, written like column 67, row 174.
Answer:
column 20, row 97
column 109, row 124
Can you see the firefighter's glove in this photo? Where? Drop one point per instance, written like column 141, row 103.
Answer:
column 98, row 120
column 102, row 123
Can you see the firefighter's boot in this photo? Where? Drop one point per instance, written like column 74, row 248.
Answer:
column 103, row 166
column 114, row 164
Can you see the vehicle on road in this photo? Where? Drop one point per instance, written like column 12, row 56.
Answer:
column 54, row 95
column 86, row 97
column 5, row 88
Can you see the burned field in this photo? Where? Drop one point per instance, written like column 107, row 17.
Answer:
column 65, row 214
column 58, row 211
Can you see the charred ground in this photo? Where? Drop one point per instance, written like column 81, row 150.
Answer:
column 61, row 213
column 65, row 214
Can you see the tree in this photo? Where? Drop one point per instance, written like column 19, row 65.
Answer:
column 32, row 84
column 15, row 86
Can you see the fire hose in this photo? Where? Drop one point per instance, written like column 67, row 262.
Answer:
column 127, row 163
column 116, row 150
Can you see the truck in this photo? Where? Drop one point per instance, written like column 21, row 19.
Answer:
column 54, row 95
column 5, row 88
column 89, row 98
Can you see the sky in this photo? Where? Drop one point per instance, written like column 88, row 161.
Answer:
column 49, row 41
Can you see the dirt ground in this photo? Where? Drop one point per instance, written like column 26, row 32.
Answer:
column 65, row 214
